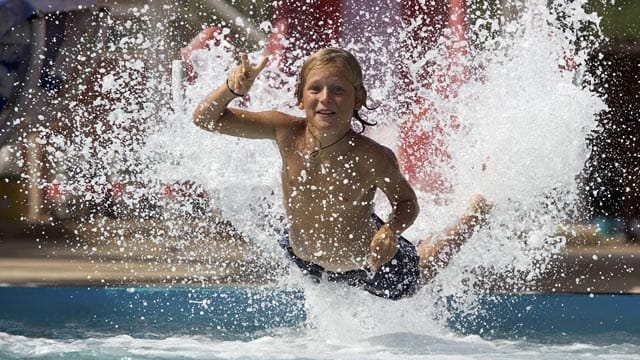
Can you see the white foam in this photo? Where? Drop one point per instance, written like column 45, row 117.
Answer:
column 395, row 345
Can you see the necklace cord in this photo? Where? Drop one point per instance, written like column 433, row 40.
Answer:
column 316, row 152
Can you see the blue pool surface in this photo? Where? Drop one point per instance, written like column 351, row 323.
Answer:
column 555, row 318
column 222, row 312
column 244, row 313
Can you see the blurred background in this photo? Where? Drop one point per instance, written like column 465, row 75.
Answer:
column 53, row 53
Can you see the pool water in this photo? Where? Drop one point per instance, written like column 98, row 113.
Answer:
column 272, row 323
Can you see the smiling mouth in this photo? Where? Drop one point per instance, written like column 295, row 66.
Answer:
column 326, row 112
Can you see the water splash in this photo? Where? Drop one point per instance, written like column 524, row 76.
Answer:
column 523, row 115
column 524, row 118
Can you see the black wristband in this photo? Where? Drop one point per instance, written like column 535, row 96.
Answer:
column 233, row 92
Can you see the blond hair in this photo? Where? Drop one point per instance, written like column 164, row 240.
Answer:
column 343, row 59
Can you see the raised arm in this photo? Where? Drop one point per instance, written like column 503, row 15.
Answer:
column 213, row 114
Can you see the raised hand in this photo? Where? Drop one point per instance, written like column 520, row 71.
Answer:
column 383, row 247
column 242, row 77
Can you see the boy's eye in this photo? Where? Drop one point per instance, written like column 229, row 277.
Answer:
column 338, row 89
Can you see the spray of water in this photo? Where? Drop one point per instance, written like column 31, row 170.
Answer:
column 522, row 117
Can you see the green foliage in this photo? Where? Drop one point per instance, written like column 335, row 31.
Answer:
column 620, row 18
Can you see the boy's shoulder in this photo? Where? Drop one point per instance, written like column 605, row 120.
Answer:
column 377, row 161
column 373, row 148
column 288, row 127
column 283, row 119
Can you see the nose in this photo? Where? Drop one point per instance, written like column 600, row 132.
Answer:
column 325, row 95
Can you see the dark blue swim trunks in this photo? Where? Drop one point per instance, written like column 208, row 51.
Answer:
column 396, row 279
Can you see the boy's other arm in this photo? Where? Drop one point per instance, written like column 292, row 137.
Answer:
column 403, row 202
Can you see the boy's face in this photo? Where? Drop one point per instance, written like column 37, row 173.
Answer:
column 328, row 99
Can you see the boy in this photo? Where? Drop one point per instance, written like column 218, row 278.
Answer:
column 330, row 175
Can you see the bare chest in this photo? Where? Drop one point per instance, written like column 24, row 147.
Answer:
column 336, row 184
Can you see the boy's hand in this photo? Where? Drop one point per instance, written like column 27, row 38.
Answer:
column 243, row 76
column 383, row 247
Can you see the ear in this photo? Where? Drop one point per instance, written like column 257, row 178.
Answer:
column 358, row 106
column 300, row 106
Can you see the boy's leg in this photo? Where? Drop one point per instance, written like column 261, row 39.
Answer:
column 437, row 250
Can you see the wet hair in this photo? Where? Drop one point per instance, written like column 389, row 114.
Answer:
column 341, row 58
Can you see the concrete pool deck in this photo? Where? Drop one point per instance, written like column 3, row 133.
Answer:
column 44, row 255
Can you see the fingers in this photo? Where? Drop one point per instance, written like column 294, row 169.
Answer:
column 261, row 65
column 245, row 65
column 241, row 78
column 383, row 248
column 382, row 254
column 247, row 70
